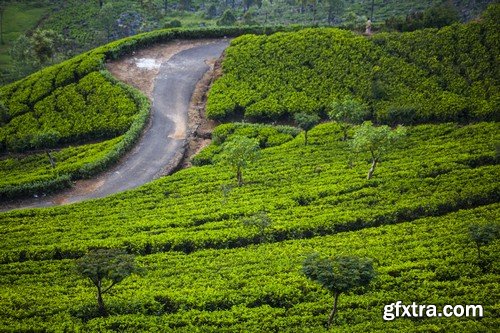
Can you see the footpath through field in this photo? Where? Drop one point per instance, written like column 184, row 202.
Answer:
column 164, row 140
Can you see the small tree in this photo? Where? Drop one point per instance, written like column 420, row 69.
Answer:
column 346, row 112
column 259, row 221
column 306, row 121
column 338, row 275
column 3, row 6
column 105, row 266
column 483, row 234
column 334, row 9
column 238, row 153
column 376, row 140
column 227, row 18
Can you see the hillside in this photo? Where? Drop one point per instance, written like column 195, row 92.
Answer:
column 96, row 25
column 309, row 193
column 217, row 256
column 428, row 75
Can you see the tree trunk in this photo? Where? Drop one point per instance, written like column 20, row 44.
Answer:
column 239, row 176
column 305, row 138
column 1, row 26
column 165, row 5
column 372, row 169
column 101, row 3
column 51, row 159
column 373, row 6
column 478, row 252
column 334, row 310
column 100, row 303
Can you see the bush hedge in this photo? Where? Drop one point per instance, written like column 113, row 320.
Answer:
column 429, row 75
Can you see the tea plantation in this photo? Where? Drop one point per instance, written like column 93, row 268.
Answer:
column 427, row 75
column 202, row 267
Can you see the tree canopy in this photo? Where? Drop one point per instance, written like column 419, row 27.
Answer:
column 339, row 274
column 238, row 152
column 105, row 266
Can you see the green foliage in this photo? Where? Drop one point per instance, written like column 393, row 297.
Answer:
column 259, row 221
column 347, row 112
column 268, row 136
column 306, row 122
column 103, row 266
column 339, row 274
column 419, row 77
column 306, row 192
column 483, row 234
column 433, row 17
column 376, row 140
column 227, row 18
column 77, row 102
column 238, row 153
column 262, row 288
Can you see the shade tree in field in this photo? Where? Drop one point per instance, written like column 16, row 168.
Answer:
column 483, row 234
column 238, row 153
column 376, row 140
column 347, row 112
column 306, row 122
column 259, row 221
column 105, row 268
column 338, row 275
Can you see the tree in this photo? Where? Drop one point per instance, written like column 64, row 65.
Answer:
column 107, row 18
column 211, row 11
column 483, row 234
column 376, row 140
column 227, row 18
column 334, row 8
column 259, row 221
column 306, row 121
column 105, row 266
column 338, row 275
column 3, row 6
column 46, row 140
column 46, row 44
column 238, row 153
column 348, row 111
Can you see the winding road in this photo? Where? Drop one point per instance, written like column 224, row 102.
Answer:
column 163, row 142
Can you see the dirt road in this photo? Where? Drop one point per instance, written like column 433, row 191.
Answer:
column 164, row 141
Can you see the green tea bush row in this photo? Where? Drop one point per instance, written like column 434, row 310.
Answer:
column 306, row 191
column 41, row 99
column 268, row 136
column 261, row 288
column 82, row 162
column 424, row 76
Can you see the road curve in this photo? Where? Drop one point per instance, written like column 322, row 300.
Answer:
column 165, row 138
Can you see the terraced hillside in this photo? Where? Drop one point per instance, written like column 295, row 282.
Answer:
column 80, row 111
column 429, row 75
column 411, row 218
column 204, row 267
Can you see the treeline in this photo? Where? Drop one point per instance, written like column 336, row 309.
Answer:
column 429, row 75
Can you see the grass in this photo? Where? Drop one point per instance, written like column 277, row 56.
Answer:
column 18, row 19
